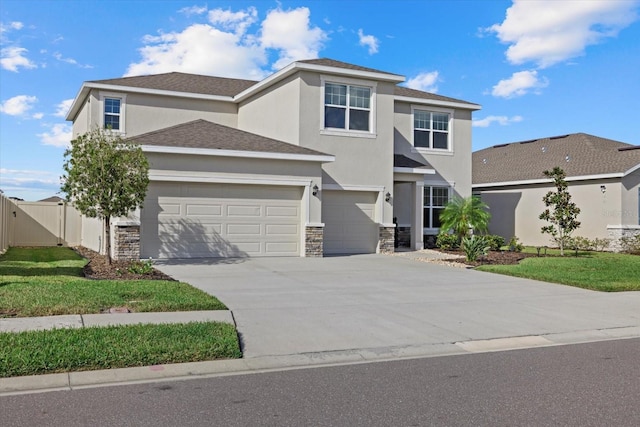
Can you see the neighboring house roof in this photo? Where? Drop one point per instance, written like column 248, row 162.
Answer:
column 202, row 134
column 579, row 155
column 183, row 82
column 52, row 199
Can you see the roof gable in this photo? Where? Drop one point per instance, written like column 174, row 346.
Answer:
column 578, row 154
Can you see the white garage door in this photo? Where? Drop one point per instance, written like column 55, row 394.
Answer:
column 349, row 225
column 220, row 220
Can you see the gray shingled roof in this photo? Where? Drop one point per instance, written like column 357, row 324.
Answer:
column 402, row 161
column 414, row 93
column 327, row 62
column 578, row 154
column 208, row 135
column 182, row 82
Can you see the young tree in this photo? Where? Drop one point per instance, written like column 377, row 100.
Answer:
column 105, row 177
column 561, row 212
column 460, row 214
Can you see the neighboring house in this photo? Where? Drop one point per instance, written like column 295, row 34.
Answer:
column 53, row 199
column 318, row 158
column 603, row 177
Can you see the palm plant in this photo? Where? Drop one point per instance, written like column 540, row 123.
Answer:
column 461, row 214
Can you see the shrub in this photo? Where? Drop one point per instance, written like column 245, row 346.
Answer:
column 601, row 244
column 515, row 245
column 494, row 241
column 580, row 242
column 447, row 242
column 474, row 246
column 631, row 244
column 141, row 267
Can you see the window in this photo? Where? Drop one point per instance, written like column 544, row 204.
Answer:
column 431, row 129
column 435, row 199
column 112, row 113
column 347, row 107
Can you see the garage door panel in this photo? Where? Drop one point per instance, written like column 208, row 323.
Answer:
column 197, row 220
column 349, row 222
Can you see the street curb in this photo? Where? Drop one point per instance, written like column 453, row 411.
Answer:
column 181, row 371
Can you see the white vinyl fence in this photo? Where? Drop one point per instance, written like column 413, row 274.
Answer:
column 38, row 224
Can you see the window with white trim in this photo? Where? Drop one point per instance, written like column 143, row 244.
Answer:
column 431, row 129
column 435, row 199
column 112, row 110
column 347, row 107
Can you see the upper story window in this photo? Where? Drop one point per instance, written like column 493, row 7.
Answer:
column 431, row 129
column 112, row 113
column 113, row 106
column 348, row 107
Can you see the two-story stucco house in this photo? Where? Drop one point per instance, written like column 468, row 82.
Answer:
column 318, row 158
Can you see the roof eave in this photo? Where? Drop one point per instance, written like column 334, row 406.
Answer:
column 322, row 158
column 440, row 103
column 418, row 171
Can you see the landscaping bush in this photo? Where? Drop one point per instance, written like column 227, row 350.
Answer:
column 494, row 241
column 515, row 245
column 474, row 247
column 631, row 244
column 581, row 243
column 601, row 245
column 447, row 242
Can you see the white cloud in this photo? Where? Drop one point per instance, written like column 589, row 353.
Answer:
column 11, row 58
column 290, row 33
column 38, row 116
column 226, row 46
column 71, row 61
column 549, row 31
column 193, row 10
column 424, row 81
column 369, row 41
column 18, row 105
column 59, row 135
column 519, row 84
column 29, row 184
column 14, row 25
column 63, row 108
column 501, row 120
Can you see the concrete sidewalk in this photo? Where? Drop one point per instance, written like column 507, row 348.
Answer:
column 20, row 324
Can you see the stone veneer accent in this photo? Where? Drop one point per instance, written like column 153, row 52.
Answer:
column 126, row 242
column 404, row 237
column 313, row 245
column 617, row 231
column 387, row 239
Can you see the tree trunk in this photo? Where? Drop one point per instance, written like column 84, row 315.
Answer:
column 107, row 238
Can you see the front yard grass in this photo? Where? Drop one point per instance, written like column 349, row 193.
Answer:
column 600, row 271
column 64, row 350
column 48, row 281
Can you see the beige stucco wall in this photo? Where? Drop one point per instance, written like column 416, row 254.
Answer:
column 274, row 112
column 515, row 210
column 145, row 113
column 630, row 199
column 452, row 167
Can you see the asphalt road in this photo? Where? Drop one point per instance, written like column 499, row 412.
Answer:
column 595, row 384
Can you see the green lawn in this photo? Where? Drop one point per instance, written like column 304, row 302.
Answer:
column 600, row 271
column 64, row 350
column 47, row 281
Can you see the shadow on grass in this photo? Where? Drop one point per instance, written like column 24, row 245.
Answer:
column 38, row 271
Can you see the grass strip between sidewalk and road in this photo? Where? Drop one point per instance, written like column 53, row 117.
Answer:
column 48, row 281
column 66, row 350
column 599, row 271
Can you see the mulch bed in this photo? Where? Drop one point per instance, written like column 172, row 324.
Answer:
column 99, row 268
column 493, row 257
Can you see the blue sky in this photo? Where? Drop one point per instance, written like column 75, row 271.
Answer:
column 538, row 68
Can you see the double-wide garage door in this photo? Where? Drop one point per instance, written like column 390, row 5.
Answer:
column 349, row 225
column 198, row 220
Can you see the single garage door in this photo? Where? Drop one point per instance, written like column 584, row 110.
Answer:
column 349, row 225
column 197, row 220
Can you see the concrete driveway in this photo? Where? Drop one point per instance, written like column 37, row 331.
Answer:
column 397, row 306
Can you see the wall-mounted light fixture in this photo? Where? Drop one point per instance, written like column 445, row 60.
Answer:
column 315, row 190
column 603, row 188
column 387, row 197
